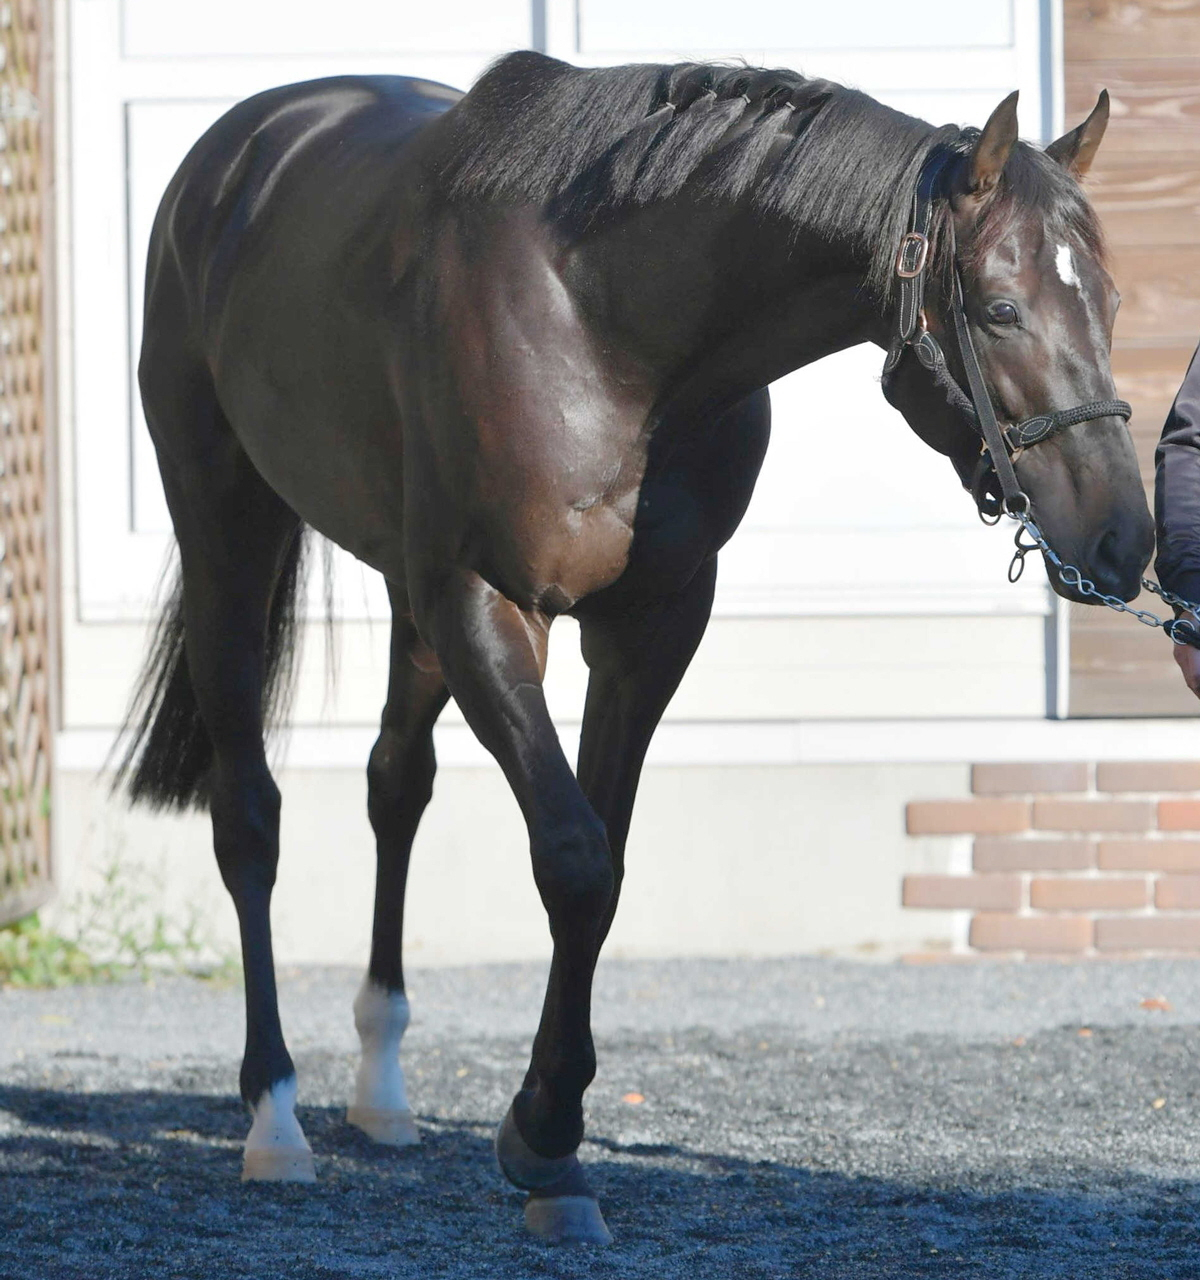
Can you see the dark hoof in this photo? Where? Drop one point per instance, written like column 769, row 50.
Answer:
column 567, row 1220
column 561, row 1207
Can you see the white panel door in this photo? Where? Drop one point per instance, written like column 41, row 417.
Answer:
column 853, row 514
column 716, row 26
column 147, row 78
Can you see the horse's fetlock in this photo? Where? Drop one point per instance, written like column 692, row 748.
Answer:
column 551, row 1124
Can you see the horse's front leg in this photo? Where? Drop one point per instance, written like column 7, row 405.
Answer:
column 493, row 657
column 637, row 652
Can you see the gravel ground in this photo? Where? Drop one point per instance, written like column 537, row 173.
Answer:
column 801, row 1118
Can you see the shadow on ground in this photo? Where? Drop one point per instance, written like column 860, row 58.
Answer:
column 144, row 1183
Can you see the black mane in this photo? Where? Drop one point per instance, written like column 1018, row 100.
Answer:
column 587, row 145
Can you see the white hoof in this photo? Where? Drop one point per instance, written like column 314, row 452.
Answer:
column 276, row 1149
column 278, row 1165
column 385, row 1124
column 567, row 1220
column 380, row 1107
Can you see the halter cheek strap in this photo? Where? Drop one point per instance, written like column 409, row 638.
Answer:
column 1000, row 444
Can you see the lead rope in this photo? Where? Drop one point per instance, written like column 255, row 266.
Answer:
column 1181, row 630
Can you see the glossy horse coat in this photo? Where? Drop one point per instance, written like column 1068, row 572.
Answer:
column 510, row 349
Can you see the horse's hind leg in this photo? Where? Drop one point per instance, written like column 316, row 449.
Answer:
column 492, row 654
column 236, row 539
column 400, row 782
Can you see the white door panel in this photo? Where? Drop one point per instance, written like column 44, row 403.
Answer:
column 716, row 26
column 249, row 29
column 852, row 514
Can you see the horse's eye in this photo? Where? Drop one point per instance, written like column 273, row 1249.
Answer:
column 1002, row 313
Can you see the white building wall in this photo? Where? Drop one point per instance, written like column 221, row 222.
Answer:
column 722, row 860
column 858, row 591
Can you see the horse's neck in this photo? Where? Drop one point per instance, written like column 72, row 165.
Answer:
column 710, row 297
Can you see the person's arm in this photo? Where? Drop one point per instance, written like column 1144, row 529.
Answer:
column 1177, row 507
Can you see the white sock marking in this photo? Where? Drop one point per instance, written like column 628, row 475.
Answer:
column 381, row 1017
column 275, row 1126
column 1066, row 265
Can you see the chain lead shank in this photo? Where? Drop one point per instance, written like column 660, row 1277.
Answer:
column 1181, row 630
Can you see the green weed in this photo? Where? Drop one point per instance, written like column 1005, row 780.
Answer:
column 33, row 956
column 117, row 929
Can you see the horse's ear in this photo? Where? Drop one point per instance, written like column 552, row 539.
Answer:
column 1076, row 150
column 992, row 148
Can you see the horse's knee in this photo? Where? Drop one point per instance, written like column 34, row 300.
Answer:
column 400, row 776
column 573, row 869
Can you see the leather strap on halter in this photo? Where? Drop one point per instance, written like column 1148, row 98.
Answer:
column 912, row 262
column 1000, row 445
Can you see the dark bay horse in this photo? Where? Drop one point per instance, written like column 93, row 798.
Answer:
column 510, row 349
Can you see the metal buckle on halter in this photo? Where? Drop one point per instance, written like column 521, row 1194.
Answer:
column 913, row 243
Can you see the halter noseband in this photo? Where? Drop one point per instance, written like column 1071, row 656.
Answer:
column 1000, row 445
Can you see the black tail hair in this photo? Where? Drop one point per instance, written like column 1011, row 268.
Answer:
column 167, row 761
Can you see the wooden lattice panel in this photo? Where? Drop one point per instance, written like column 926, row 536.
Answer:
column 24, row 579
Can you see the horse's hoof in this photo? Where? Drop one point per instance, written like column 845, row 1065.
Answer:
column 567, row 1220
column 387, row 1125
column 276, row 1150
column 561, row 1207
column 278, row 1164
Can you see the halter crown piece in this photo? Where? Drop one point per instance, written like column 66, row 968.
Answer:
column 1000, row 445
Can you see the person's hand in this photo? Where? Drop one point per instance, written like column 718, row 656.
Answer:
column 1188, row 660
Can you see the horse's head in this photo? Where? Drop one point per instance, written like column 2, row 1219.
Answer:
column 1040, row 305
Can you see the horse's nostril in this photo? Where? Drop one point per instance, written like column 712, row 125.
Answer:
column 1108, row 551
column 1117, row 561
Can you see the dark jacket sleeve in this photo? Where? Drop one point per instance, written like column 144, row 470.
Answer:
column 1177, row 490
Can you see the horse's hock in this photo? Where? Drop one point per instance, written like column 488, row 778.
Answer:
column 25, row 683
column 1071, row 859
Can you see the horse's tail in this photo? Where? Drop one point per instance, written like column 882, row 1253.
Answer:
column 169, row 753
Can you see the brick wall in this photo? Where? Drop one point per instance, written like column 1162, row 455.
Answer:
column 1071, row 859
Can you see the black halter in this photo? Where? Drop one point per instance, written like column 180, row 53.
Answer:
column 1000, row 445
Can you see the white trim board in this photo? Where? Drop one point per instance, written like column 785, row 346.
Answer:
column 761, row 743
